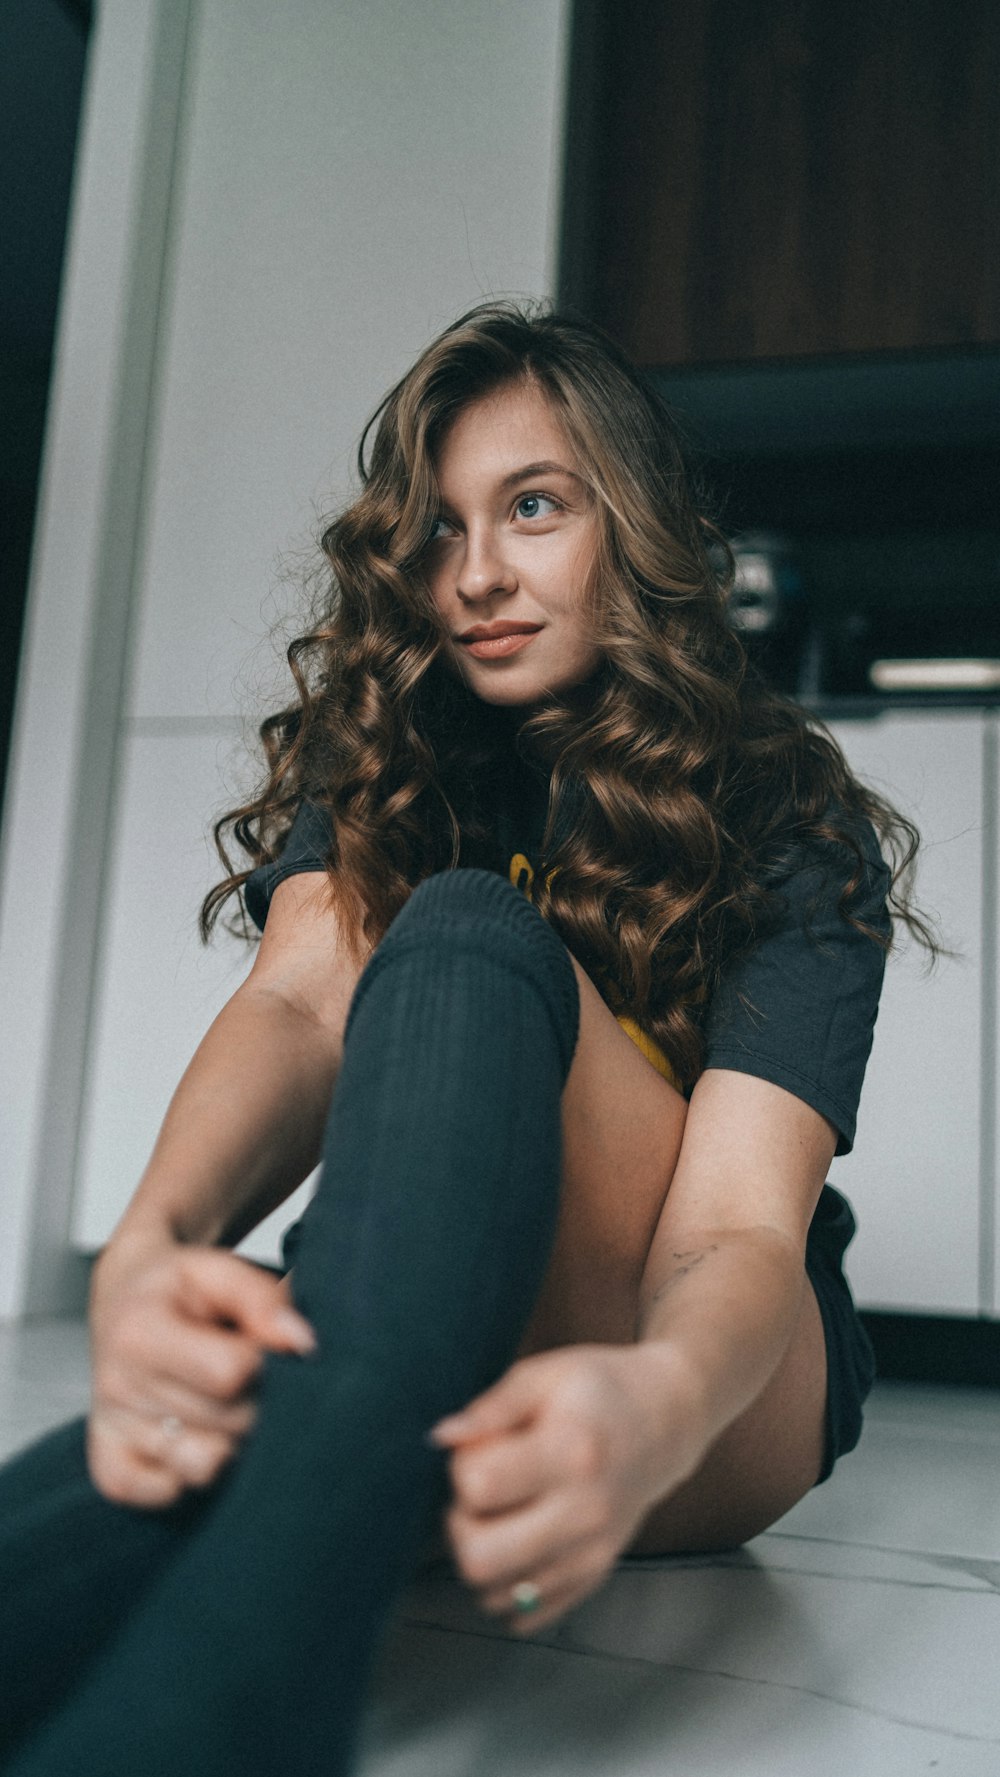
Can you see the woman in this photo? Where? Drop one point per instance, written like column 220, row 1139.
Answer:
column 587, row 929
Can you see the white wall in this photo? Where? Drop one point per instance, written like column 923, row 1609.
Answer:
column 64, row 741
column 347, row 180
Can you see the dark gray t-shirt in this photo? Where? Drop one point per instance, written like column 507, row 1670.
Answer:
column 799, row 1010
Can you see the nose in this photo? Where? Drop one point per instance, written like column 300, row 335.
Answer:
column 483, row 567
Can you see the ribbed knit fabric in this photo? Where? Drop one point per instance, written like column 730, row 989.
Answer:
column 72, row 1567
column 419, row 1263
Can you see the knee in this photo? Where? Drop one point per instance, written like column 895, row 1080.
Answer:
column 477, row 909
column 471, row 911
column 454, row 893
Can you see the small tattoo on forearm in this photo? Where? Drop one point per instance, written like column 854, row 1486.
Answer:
column 686, row 1262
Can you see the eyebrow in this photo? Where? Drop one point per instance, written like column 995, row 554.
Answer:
column 530, row 469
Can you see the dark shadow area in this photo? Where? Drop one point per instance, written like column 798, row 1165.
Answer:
column 935, row 1348
column 43, row 46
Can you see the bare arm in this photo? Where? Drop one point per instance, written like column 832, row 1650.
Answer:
column 723, row 1282
column 243, row 1127
column 179, row 1328
column 245, row 1123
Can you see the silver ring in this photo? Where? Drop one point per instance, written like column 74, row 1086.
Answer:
column 526, row 1596
column 171, row 1426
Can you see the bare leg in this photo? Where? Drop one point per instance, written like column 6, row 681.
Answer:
column 622, row 1129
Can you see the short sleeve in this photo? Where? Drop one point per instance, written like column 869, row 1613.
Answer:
column 800, row 1009
column 307, row 847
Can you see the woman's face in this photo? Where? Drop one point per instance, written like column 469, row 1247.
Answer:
column 513, row 544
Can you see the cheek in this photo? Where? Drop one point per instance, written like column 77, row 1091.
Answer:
column 580, row 569
column 574, row 603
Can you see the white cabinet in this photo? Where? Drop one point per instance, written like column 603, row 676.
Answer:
column 916, row 1176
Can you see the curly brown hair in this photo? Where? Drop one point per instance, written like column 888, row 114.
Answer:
column 678, row 781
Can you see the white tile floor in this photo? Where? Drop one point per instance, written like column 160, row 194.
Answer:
column 861, row 1635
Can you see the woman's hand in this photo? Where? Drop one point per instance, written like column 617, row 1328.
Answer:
column 178, row 1335
column 554, row 1468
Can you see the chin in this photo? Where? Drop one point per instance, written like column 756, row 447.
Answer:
column 513, row 697
column 512, row 691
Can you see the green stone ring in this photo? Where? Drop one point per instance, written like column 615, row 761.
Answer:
column 526, row 1597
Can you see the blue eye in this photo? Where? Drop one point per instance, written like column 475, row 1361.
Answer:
column 439, row 529
column 537, row 501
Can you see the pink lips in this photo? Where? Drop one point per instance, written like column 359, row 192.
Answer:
column 495, row 647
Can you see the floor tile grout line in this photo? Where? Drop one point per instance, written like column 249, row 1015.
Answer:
column 883, row 1548
column 644, row 1661
column 985, row 1589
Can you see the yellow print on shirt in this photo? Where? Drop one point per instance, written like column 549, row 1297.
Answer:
column 521, row 873
column 522, row 876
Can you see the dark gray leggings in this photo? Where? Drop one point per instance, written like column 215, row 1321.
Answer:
column 235, row 1632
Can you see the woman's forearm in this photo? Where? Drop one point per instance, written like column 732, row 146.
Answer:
column 715, row 1321
column 244, row 1126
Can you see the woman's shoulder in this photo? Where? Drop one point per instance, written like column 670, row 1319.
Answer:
column 307, row 845
column 839, row 858
column 798, row 1006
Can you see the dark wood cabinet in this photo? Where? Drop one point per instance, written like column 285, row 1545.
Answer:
column 761, row 179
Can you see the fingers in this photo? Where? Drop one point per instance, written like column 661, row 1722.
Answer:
column 499, row 1474
column 135, row 1460
column 494, row 1553
column 209, row 1361
column 195, row 1456
column 127, row 1479
column 181, row 1344
column 531, row 1493
column 560, row 1590
column 203, row 1376
column 216, row 1285
column 512, row 1402
column 141, row 1461
column 535, row 1547
column 164, row 1398
column 497, row 1477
